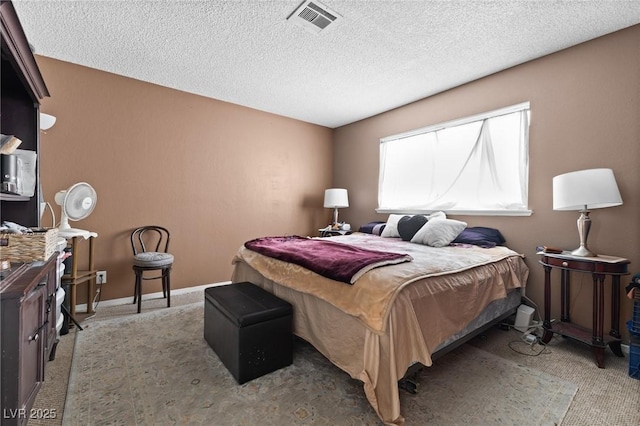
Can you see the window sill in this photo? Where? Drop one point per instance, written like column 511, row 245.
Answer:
column 462, row 212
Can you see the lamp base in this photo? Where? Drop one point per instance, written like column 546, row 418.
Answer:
column 584, row 225
column 583, row 252
column 335, row 217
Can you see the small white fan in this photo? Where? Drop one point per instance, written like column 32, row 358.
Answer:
column 76, row 203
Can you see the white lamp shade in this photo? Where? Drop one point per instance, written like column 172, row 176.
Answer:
column 585, row 189
column 336, row 198
column 46, row 121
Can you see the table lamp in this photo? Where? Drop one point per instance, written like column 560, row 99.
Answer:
column 585, row 190
column 336, row 198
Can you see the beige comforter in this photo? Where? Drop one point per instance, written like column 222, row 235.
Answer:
column 393, row 316
column 370, row 298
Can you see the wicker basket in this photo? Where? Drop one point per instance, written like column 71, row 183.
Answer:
column 39, row 245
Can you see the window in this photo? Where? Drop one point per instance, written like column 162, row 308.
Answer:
column 475, row 165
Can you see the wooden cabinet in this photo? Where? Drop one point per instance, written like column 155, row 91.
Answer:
column 22, row 89
column 27, row 291
column 28, row 333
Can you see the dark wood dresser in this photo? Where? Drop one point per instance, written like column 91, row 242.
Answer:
column 28, row 335
column 27, row 291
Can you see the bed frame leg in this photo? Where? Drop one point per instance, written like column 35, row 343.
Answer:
column 409, row 382
column 409, row 385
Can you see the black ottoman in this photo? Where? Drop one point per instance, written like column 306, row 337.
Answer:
column 249, row 328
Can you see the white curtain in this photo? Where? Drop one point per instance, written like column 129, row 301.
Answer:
column 478, row 165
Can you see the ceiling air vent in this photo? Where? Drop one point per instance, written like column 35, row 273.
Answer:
column 313, row 16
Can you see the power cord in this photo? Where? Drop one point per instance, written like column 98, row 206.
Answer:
column 577, row 294
column 533, row 352
column 532, row 340
column 529, row 337
column 96, row 298
column 532, row 327
column 53, row 214
column 535, row 307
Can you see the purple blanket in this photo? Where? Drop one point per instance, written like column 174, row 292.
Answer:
column 337, row 261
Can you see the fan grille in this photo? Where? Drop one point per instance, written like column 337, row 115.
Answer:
column 79, row 201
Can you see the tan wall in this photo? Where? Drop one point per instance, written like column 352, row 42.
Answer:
column 585, row 113
column 214, row 173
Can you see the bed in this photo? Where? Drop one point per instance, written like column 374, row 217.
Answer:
column 397, row 316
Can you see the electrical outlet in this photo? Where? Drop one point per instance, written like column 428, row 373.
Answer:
column 101, row 277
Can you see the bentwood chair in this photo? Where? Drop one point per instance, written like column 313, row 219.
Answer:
column 150, row 246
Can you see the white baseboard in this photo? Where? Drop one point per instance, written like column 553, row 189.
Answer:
column 129, row 299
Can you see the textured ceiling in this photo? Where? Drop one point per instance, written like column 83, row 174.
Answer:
column 378, row 56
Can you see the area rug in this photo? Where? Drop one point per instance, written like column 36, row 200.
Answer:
column 156, row 369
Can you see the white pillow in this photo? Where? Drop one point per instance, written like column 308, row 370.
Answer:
column 437, row 215
column 439, row 232
column 391, row 228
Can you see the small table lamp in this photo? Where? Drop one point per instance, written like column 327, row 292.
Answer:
column 336, row 198
column 584, row 190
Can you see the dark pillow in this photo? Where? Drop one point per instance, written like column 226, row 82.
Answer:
column 409, row 225
column 379, row 228
column 480, row 236
column 374, row 228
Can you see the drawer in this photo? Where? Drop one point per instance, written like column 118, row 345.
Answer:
column 585, row 265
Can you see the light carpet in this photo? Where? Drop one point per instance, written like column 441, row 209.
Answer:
column 156, row 368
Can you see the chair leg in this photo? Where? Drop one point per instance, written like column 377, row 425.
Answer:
column 164, row 283
column 168, row 285
column 135, row 287
column 139, row 290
